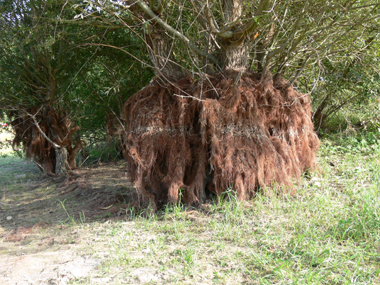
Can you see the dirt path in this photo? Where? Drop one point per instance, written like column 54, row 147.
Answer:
column 45, row 223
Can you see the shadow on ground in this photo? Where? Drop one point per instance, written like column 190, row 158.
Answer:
column 30, row 200
column 40, row 241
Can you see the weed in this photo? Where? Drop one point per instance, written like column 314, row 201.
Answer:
column 70, row 218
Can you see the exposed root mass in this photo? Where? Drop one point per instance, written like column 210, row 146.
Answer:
column 189, row 138
column 57, row 127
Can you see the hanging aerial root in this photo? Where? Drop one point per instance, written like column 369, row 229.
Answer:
column 191, row 138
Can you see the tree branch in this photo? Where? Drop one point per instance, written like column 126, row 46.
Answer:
column 41, row 131
column 174, row 32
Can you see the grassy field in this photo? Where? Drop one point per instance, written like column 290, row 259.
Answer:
column 328, row 233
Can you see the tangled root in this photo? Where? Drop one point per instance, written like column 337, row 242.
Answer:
column 189, row 138
column 56, row 126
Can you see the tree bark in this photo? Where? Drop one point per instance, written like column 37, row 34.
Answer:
column 160, row 52
column 159, row 43
column 235, row 56
column 61, row 162
column 232, row 10
column 234, row 53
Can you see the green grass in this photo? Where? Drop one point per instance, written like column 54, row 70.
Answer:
column 14, row 170
column 329, row 233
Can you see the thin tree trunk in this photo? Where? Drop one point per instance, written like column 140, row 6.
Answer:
column 232, row 10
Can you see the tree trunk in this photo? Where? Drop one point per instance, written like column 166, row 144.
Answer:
column 234, row 53
column 235, row 57
column 47, row 137
column 61, row 161
column 160, row 52
column 232, row 10
column 318, row 116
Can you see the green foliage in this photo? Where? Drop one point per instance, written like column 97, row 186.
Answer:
column 326, row 48
column 89, row 64
column 47, row 57
column 281, row 36
column 107, row 82
column 36, row 58
column 102, row 152
column 349, row 86
column 361, row 143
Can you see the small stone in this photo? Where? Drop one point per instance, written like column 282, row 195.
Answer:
column 9, row 218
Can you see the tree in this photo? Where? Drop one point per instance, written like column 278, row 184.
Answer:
column 106, row 81
column 220, row 113
column 350, row 83
column 37, row 65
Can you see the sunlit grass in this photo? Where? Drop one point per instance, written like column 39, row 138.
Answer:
column 327, row 233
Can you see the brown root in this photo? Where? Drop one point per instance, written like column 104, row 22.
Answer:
column 57, row 127
column 186, row 139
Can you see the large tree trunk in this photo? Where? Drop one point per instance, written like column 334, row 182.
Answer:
column 235, row 56
column 160, row 49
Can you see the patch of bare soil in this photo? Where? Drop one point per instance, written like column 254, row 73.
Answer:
column 43, row 222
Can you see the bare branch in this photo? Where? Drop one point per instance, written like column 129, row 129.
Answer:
column 41, row 131
column 176, row 33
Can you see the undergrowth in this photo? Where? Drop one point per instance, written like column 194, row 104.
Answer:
column 102, row 151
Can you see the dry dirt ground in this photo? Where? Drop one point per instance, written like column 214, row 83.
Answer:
column 40, row 241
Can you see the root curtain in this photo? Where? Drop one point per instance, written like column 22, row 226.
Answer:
column 189, row 138
column 57, row 127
